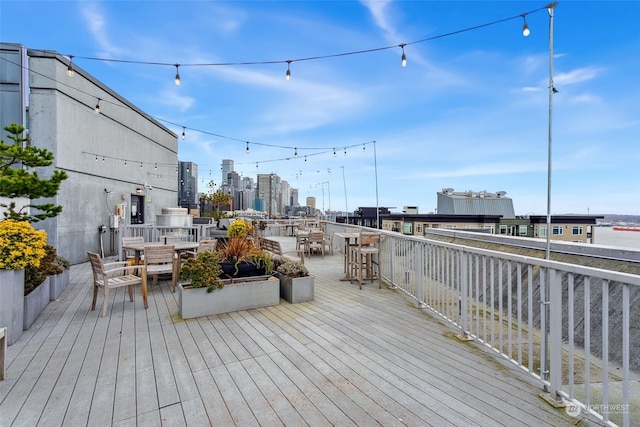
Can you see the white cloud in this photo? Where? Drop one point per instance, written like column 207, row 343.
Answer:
column 579, row 75
column 96, row 23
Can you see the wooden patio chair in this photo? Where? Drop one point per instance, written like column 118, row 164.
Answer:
column 126, row 254
column 364, row 257
column 315, row 242
column 162, row 259
column 203, row 246
column 328, row 242
column 106, row 276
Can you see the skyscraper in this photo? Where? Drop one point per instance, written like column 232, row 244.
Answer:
column 227, row 166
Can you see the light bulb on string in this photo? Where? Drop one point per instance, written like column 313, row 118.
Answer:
column 155, row 167
column 140, row 165
column 247, row 150
column 305, row 160
column 295, row 153
column 334, row 152
column 177, row 80
column 256, row 165
column 70, row 66
column 404, row 56
column 364, row 147
column 183, row 132
column 525, row 28
column 96, row 109
column 288, row 74
column 345, row 151
column 125, row 163
column 96, row 157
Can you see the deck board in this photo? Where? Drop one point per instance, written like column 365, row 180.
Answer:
column 350, row 357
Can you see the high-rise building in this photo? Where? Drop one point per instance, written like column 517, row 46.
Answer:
column 293, row 197
column 226, row 167
column 311, row 202
column 187, row 185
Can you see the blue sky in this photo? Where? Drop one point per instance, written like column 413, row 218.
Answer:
column 470, row 111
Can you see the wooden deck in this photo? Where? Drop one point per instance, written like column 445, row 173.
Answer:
column 351, row 357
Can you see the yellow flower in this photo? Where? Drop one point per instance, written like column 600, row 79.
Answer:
column 20, row 245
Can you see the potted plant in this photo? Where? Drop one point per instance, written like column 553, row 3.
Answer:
column 21, row 246
column 296, row 284
column 240, row 256
column 37, row 285
column 208, row 290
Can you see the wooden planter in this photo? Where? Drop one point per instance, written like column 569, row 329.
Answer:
column 242, row 294
column 297, row 289
column 35, row 302
column 57, row 284
column 12, row 303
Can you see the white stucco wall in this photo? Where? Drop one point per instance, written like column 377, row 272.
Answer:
column 62, row 120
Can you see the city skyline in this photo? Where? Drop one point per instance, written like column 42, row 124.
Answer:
column 468, row 112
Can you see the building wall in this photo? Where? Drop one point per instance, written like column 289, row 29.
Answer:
column 120, row 149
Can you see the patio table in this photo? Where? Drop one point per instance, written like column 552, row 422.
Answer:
column 138, row 248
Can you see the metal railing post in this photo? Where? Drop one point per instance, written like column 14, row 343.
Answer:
column 419, row 268
column 464, row 291
column 555, row 331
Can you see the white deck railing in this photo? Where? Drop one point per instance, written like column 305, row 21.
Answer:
column 495, row 298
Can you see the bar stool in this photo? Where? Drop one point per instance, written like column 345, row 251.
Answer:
column 364, row 257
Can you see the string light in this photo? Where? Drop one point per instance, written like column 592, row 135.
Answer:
column 177, row 80
column 334, row 152
column 247, row 150
column 318, row 57
column 525, row 28
column 345, row 151
column 125, row 163
column 155, row 166
column 70, row 67
column 288, row 75
column 140, row 165
column 96, row 157
column 305, row 160
column 404, row 57
column 183, row 132
column 97, row 107
column 295, row 153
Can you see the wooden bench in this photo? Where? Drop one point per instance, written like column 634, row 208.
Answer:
column 274, row 247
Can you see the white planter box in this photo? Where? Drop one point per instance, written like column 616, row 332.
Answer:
column 297, row 289
column 57, row 284
column 35, row 302
column 243, row 294
column 12, row 303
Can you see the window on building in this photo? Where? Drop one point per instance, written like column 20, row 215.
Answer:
column 419, row 228
column 451, row 226
column 577, row 229
column 557, row 230
column 542, row 230
column 503, row 229
column 522, row 230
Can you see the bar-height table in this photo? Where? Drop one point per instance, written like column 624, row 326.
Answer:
column 347, row 236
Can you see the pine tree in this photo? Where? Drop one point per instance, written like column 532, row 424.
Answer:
column 19, row 179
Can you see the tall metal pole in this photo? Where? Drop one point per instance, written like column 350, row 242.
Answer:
column 375, row 163
column 346, row 206
column 547, row 290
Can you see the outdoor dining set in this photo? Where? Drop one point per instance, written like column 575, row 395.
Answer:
column 141, row 259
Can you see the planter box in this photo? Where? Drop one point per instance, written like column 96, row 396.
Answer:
column 35, row 302
column 297, row 289
column 57, row 284
column 242, row 294
column 12, row 303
